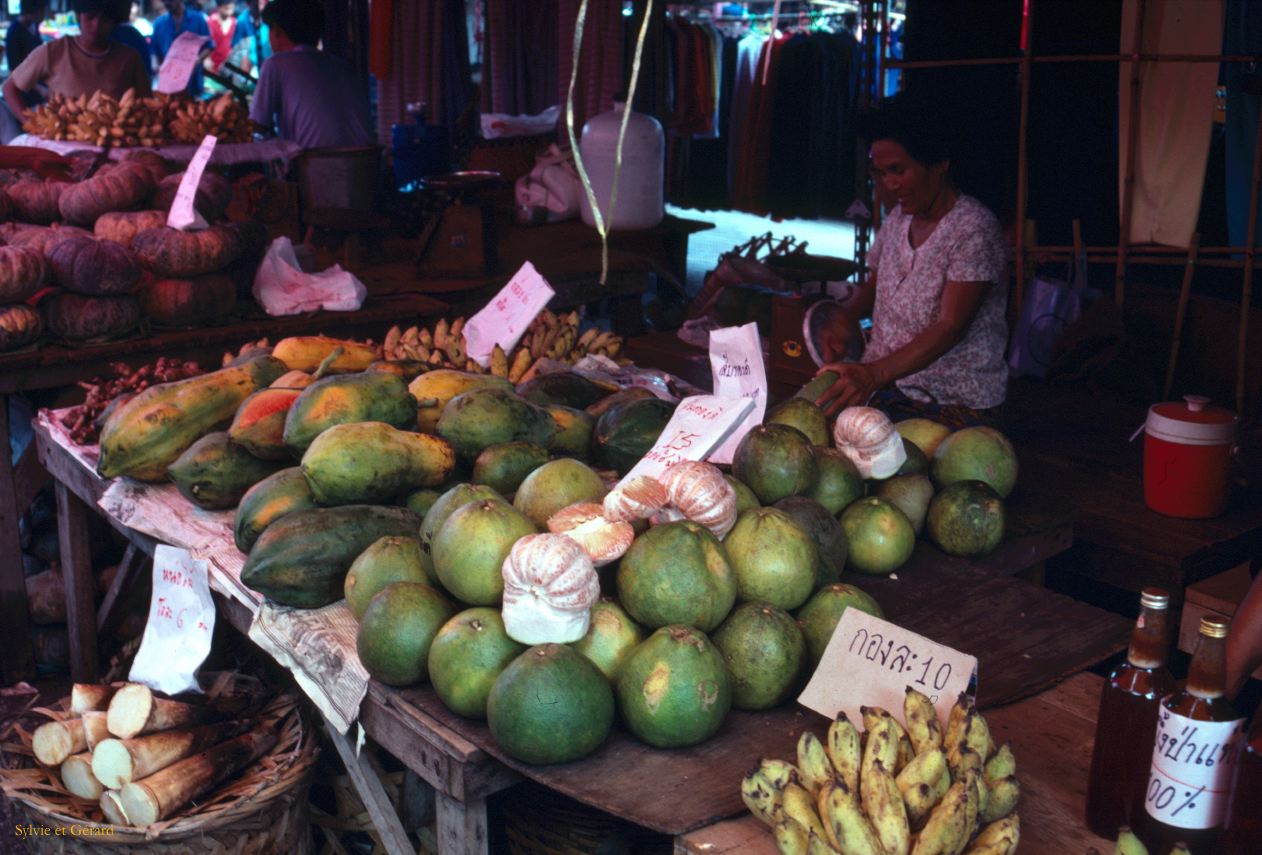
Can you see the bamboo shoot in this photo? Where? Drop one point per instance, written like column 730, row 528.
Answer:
column 54, row 741
column 154, row 798
column 95, row 727
column 113, row 808
column 118, row 762
column 77, row 777
column 90, row 696
column 134, row 710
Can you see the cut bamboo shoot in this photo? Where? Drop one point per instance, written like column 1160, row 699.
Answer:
column 134, row 710
column 95, row 727
column 118, row 762
column 55, row 741
column 113, row 808
column 90, row 696
column 163, row 793
column 77, row 777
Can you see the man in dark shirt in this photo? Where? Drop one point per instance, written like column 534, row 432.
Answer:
column 23, row 36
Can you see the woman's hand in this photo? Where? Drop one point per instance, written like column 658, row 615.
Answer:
column 856, row 382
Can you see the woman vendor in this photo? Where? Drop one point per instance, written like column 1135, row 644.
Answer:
column 936, row 286
column 82, row 64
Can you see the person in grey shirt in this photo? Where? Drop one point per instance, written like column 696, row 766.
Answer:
column 305, row 95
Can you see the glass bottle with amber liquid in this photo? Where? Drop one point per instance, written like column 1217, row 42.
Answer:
column 1128, row 718
column 1194, row 754
column 1243, row 835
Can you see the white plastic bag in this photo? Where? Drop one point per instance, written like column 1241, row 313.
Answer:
column 282, row 288
column 552, row 184
column 738, row 371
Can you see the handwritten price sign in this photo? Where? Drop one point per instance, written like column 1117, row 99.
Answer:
column 737, row 366
column 181, row 623
column 1192, row 763
column 183, row 213
column 506, row 317
column 871, row 662
column 699, row 425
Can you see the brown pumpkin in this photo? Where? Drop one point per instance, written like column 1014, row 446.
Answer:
column 157, row 165
column 36, row 201
column 123, row 226
column 22, row 273
column 20, row 325
column 96, row 268
column 214, row 192
column 46, row 238
column 78, row 318
column 124, row 187
column 189, row 302
column 174, row 254
column 6, row 205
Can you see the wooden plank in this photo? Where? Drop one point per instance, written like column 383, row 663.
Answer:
column 462, row 827
column 368, row 787
column 76, row 570
column 17, row 660
column 133, row 559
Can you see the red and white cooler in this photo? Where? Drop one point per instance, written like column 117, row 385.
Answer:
column 1188, row 446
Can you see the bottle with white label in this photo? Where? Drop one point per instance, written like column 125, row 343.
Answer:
column 1194, row 754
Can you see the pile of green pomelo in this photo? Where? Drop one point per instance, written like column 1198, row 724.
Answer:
column 688, row 626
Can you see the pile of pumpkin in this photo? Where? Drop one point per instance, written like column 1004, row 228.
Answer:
column 104, row 245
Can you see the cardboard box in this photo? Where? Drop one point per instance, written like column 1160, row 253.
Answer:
column 1217, row 595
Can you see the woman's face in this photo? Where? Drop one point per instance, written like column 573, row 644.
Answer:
column 95, row 28
column 903, row 179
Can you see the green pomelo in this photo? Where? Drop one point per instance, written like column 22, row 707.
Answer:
column 822, row 612
column 550, row 705
column 911, row 494
column 775, row 559
column 468, row 653
column 879, row 535
column 611, row 636
column 976, row 454
column 838, row 483
column 676, row 573
column 825, row 531
column 775, row 461
column 446, row 505
column 916, row 463
column 967, row 518
column 674, row 689
column 422, row 500
column 503, row 467
column 385, row 561
column 470, row 548
column 924, row 432
column 397, row 629
column 803, row 415
column 557, row 485
column 765, row 653
column 745, row 498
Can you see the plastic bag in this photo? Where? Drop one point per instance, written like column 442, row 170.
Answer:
column 553, row 184
column 282, row 288
column 1050, row 306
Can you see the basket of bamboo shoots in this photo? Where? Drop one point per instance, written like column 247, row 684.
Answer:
column 117, row 768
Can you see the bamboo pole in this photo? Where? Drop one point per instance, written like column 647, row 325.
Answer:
column 1132, row 140
column 1180, row 313
column 1142, row 260
column 1023, row 153
column 1250, row 254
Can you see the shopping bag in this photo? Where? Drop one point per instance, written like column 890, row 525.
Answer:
column 553, row 185
column 282, row 288
column 1050, row 306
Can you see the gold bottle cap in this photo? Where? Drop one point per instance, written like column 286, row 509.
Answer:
column 1154, row 598
column 1214, row 626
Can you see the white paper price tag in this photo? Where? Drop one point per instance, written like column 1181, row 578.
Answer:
column 699, row 425
column 871, row 662
column 182, row 57
column 1192, row 764
column 181, row 623
column 183, row 213
column 503, row 320
column 738, row 371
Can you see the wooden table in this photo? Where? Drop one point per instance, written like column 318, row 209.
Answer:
column 1051, row 735
column 53, row 366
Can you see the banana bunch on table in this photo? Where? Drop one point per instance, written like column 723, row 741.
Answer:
column 225, row 117
column 157, row 119
column 549, row 336
column 918, row 789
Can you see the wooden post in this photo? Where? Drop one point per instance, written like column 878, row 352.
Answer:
column 1181, row 313
column 76, row 571
column 394, row 840
column 462, row 826
column 1132, row 140
column 17, row 656
column 1250, row 256
column 1027, row 66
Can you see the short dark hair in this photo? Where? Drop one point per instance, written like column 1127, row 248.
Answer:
column 921, row 125
column 301, row 20
column 32, row 7
column 105, row 8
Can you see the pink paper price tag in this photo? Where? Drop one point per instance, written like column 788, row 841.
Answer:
column 183, row 213
column 503, row 320
column 699, row 425
column 182, row 57
column 181, row 622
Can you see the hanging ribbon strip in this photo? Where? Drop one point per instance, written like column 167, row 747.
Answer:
column 602, row 225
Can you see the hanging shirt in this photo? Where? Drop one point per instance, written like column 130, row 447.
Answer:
column 165, row 34
column 312, row 98
column 67, row 69
column 966, row 246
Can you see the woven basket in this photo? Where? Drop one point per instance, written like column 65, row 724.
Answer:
column 539, row 821
column 264, row 811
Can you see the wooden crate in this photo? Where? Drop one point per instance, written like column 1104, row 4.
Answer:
column 1217, row 595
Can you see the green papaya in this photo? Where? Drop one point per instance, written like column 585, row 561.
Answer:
column 420, row 501
column 259, row 424
column 267, row 501
column 301, row 559
column 623, row 396
column 346, row 398
column 503, row 467
column 562, row 387
column 408, row 369
column 434, row 390
column 626, row 432
column 480, row 418
column 574, row 431
column 372, row 462
column 144, row 436
column 214, row 472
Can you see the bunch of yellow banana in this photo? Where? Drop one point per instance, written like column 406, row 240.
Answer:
column 892, row 790
column 133, row 120
column 441, row 347
column 1129, row 844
